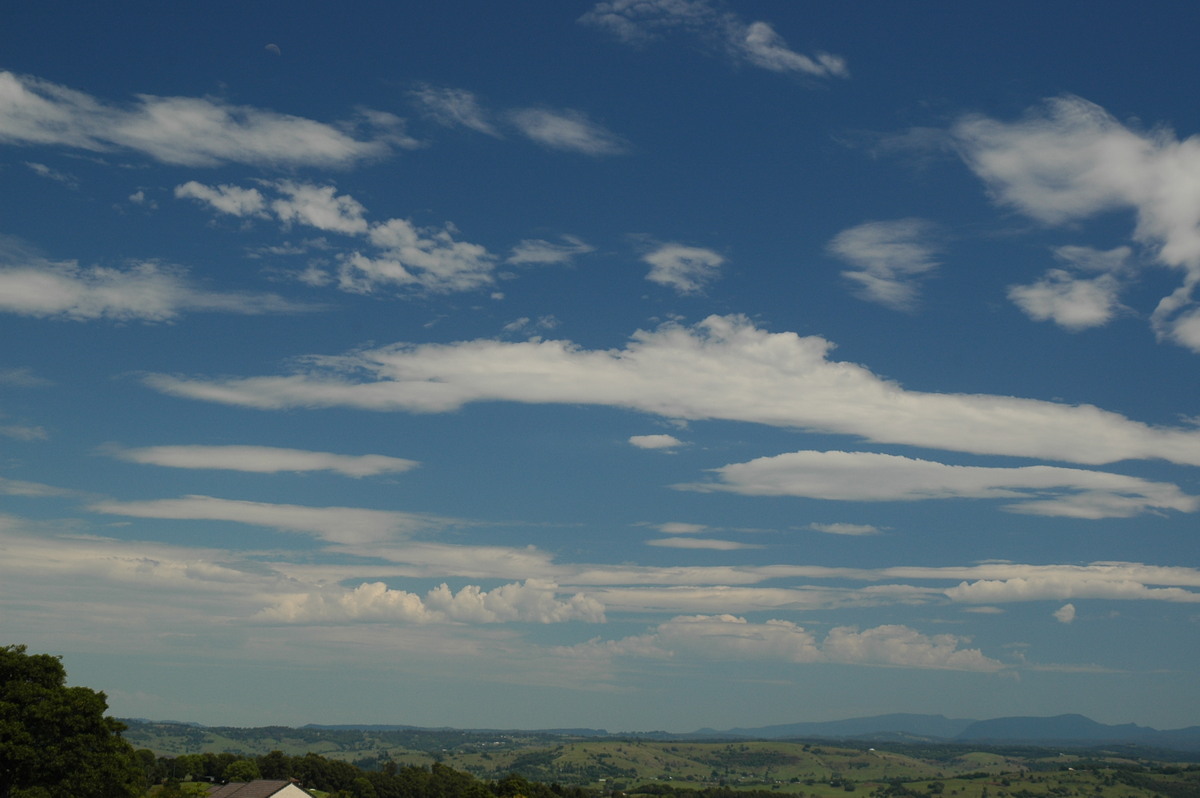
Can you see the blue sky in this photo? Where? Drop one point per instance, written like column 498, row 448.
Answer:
column 641, row 364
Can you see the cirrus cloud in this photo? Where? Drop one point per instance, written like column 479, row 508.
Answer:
column 187, row 131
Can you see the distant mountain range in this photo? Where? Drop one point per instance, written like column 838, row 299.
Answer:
column 1065, row 730
column 1059, row 730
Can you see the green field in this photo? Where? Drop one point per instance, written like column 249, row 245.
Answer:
column 651, row 766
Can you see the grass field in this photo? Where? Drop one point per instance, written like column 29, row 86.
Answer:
column 634, row 765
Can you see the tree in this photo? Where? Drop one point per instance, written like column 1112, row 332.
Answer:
column 242, row 770
column 55, row 741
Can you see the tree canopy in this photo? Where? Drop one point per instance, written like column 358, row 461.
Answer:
column 55, row 740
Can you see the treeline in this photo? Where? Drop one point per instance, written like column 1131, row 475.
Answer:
column 341, row 779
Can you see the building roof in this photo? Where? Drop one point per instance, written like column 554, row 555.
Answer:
column 259, row 788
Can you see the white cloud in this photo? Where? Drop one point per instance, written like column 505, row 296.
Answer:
column 1070, row 300
column 680, row 528
column 429, row 257
column 265, row 459
column 24, row 432
column 901, row 646
column 756, row 43
column 1070, row 160
column 453, row 107
column 350, row 525
column 22, row 378
column 534, row 601
column 320, row 207
column 185, row 131
column 845, row 529
column 655, row 441
column 867, row 476
column 567, row 130
column 721, row 368
column 890, row 257
column 17, row 487
column 41, row 170
column 232, row 200
column 701, row 543
column 406, row 256
column 142, row 292
column 686, row 269
column 1062, row 584
column 729, row 637
column 1065, row 613
column 541, row 252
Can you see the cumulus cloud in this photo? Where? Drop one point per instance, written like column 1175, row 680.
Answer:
column 722, row 368
column 729, row 637
column 187, row 131
column 866, row 476
column 1068, row 297
column 349, row 525
column 543, row 253
column 232, row 200
column 1065, row 613
column 142, row 292
column 655, row 441
column 890, row 257
column 534, row 601
column 265, row 459
column 688, row 270
column 754, row 43
column 567, row 130
column 403, row 255
column 1070, row 160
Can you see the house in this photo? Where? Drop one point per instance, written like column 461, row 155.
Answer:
column 260, row 788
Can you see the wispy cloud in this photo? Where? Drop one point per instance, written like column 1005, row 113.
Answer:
column 712, row 544
column 187, row 131
column 655, row 441
column 142, row 292
column 335, row 524
column 265, row 460
column 540, row 252
column 754, row 43
column 866, row 476
column 453, row 108
column 567, row 130
column 687, row 270
column 722, row 368
column 890, row 258
column 845, row 529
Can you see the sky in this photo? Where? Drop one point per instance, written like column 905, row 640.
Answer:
column 636, row 364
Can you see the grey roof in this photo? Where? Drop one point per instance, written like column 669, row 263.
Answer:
column 259, row 788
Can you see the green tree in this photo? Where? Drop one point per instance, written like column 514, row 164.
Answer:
column 55, row 741
column 242, row 770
